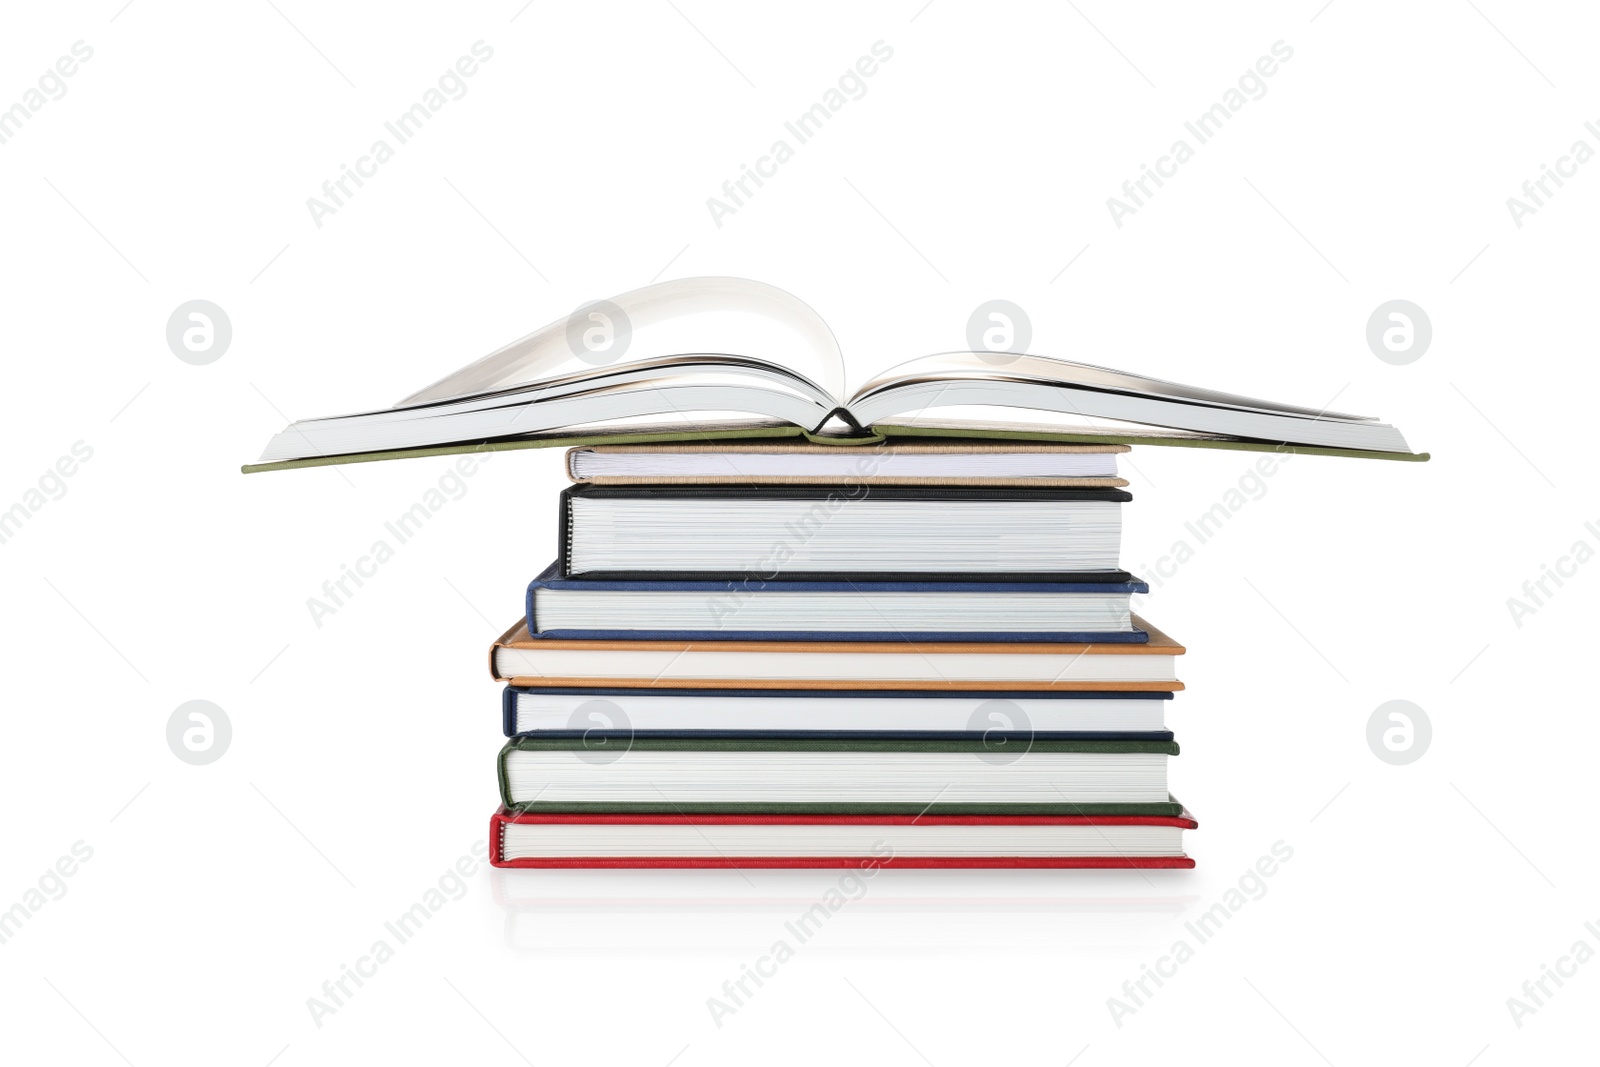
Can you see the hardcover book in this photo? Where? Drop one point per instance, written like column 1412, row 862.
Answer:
column 755, row 463
column 522, row 659
column 596, row 711
column 832, row 776
column 865, row 610
column 708, row 359
column 820, row 533
column 669, row 840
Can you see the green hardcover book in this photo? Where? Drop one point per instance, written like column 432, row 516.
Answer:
column 1009, row 774
column 663, row 364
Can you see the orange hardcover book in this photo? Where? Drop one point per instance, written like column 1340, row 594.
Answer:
column 524, row 660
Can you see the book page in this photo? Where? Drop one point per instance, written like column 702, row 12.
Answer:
column 1004, row 366
column 693, row 315
column 982, row 419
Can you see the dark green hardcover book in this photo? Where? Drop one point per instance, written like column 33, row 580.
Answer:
column 1001, row 774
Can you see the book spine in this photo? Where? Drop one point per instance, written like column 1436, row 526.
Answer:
column 564, row 535
column 497, row 840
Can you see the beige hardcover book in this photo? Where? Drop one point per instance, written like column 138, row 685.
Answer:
column 960, row 463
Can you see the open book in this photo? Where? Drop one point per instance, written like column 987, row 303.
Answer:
column 708, row 359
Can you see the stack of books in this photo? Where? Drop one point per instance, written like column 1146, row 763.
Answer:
column 790, row 627
column 755, row 655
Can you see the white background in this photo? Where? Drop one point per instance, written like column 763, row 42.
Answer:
column 219, row 898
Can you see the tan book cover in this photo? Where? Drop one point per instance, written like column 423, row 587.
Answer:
column 517, row 638
column 865, row 453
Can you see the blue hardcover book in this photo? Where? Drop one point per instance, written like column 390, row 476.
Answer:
column 1005, row 720
column 758, row 609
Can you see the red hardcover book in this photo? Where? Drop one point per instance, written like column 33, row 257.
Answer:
column 554, row 841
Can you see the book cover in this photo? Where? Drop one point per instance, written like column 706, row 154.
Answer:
column 972, row 714
column 904, row 829
column 543, row 389
column 828, row 501
column 726, row 600
column 602, row 752
column 815, row 665
column 954, row 463
column 538, row 391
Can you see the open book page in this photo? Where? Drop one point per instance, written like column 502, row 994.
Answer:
column 981, row 420
column 648, row 400
column 1004, row 366
column 657, row 353
column 713, row 354
column 668, row 319
column 932, row 397
column 929, row 387
column 702, row 369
